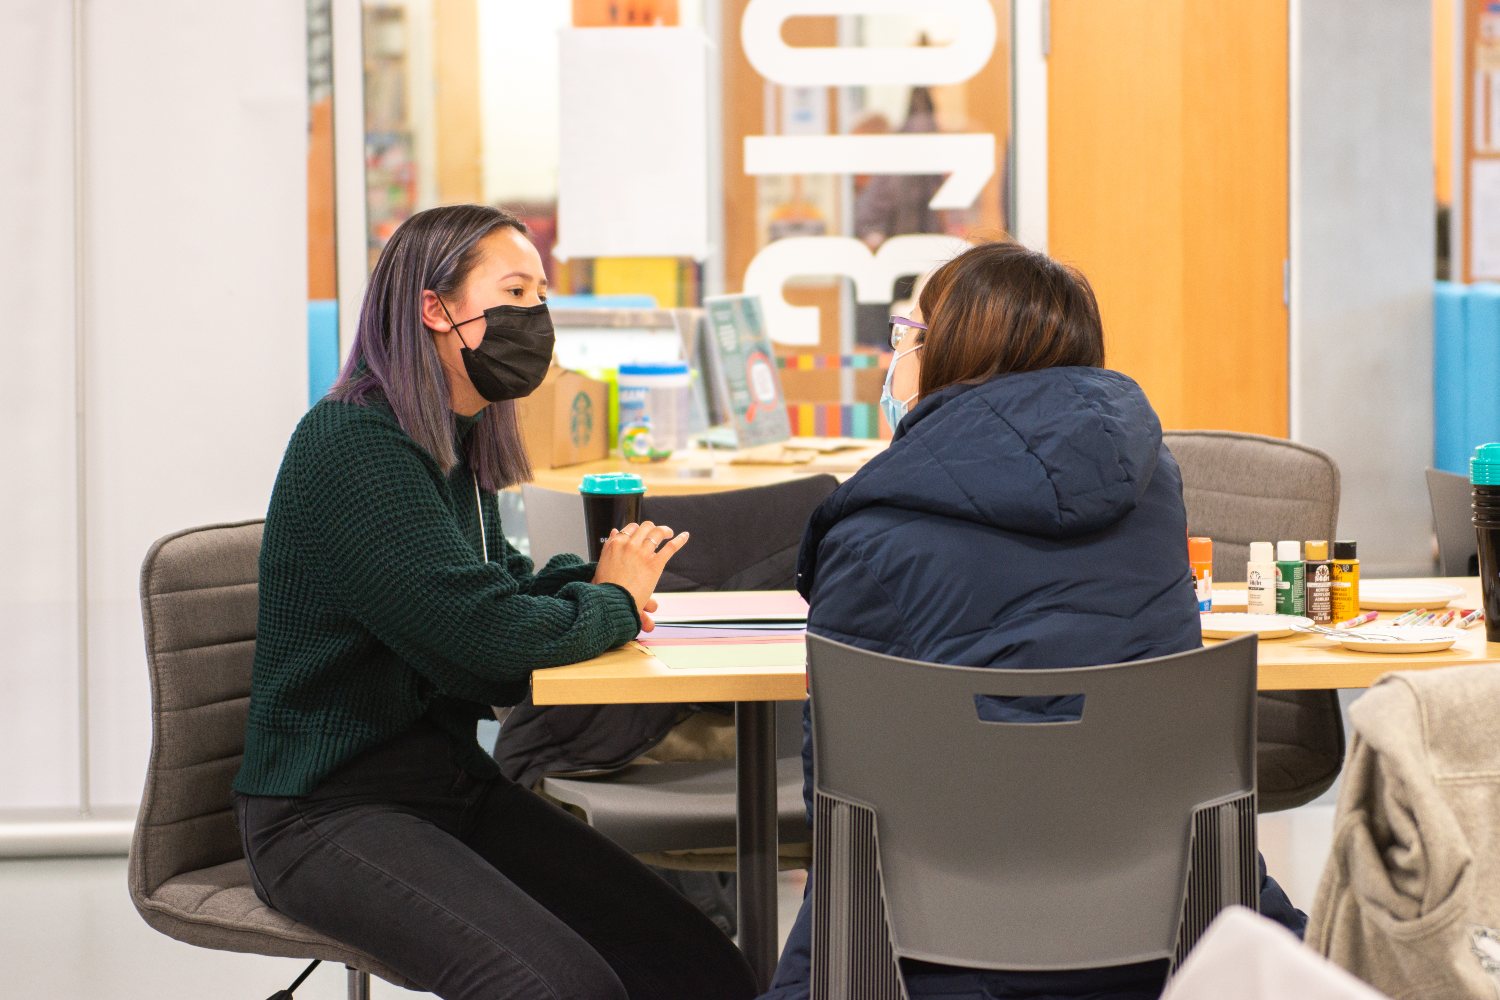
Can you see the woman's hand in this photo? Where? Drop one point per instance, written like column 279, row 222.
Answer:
column 634, row 557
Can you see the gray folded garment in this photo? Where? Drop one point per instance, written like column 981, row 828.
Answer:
column 1410, row 899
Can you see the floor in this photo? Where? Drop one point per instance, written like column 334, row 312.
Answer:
column 69, row 932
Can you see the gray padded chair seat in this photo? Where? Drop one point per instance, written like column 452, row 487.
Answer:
column 216, row 908
column 1241, row 488
column 188, row 877
column 687, row 806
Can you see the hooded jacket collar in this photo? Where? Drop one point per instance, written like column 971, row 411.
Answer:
column 1055, row 453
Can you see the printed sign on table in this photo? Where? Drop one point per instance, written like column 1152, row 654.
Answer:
column 743, row 367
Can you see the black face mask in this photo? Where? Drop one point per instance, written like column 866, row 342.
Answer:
column 513, row 358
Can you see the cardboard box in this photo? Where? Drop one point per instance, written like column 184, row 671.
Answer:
column 566, row 420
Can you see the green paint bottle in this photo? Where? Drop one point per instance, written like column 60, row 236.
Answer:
column 1291, row 579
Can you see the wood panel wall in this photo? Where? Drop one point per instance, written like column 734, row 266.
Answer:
column 1444, row 21
column 460, row 167
column 322, row 280
column 1472, row 12
column 1167, row 174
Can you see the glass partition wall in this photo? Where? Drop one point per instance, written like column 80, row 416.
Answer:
column 463, row 101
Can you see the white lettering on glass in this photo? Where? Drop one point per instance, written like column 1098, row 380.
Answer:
column 973, row 23
column 874, row 274
column 968, row 159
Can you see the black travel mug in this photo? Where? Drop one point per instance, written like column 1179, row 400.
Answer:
column 610, row 500
column 1484, row 475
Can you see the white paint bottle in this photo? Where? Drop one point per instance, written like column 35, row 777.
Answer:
column 1260, row 579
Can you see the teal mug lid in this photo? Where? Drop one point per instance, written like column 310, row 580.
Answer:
column 1484, row 467
column 612, row 484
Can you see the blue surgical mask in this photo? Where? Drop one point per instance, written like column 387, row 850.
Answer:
column 893, row 408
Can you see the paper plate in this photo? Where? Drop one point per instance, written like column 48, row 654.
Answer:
column 1403, row 595
column 1221, row 625
column 1230, row 599
column 1398, row 639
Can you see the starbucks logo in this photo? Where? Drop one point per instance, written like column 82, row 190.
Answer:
column 581, row 425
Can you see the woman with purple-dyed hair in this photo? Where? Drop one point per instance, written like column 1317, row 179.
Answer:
column 394, row 613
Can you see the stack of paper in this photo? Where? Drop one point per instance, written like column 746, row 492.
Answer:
column 728, row 629
column 693, row 635
column 732, row 607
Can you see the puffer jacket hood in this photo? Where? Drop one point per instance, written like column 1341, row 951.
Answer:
column 1056, row 454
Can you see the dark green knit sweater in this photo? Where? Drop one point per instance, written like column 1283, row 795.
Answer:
column 377, row 609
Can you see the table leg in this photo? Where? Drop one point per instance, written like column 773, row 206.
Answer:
column 755, row 781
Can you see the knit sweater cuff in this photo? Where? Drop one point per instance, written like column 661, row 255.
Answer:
column 620, row 612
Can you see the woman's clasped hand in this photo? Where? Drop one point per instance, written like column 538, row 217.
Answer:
column 633, row 558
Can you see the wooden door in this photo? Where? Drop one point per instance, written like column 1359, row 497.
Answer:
column 1167, row 187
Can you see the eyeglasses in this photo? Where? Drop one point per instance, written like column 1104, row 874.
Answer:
column 901, row 328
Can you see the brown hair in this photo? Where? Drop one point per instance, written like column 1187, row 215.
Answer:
column 998, row 308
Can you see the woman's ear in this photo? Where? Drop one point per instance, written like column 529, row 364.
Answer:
column 433, row 316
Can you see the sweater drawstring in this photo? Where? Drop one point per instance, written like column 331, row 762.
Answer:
column 484, row 543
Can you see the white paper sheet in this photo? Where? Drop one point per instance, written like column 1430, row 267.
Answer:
column 633, row 169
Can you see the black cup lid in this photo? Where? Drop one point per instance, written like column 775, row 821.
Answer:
column 1344, row 551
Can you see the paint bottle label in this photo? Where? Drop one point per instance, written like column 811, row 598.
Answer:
column 1260, row 588
column 1345, row 590
column 1203, row 587
column 1320, row 591
column 1291, row 588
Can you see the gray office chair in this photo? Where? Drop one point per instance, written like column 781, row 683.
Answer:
column 1241, row 488
column 554, row 523
column 744, row 539
column 725, row 557
column 686, row 805
column 1109, row 840
column 188, row 877
column 1453, row 522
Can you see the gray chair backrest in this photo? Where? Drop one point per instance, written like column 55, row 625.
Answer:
column 742, row 539
column 1453, row 522
column 554, row 523
column 199, row 600
column 1243, row 488
column 1103, row 841
column 723, row 555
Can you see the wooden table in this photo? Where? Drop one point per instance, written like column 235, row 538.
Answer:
column 631, row 674
column 1310, row 662
column 1299, row 663
column 705, row 471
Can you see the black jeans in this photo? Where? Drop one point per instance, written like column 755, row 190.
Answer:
column 478, row 888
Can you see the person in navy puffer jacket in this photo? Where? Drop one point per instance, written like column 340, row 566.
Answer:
column 1027, row 514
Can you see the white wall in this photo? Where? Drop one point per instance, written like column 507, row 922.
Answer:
column 192, row 116
column 1362, row 259
column 38, row 514
column 519, row 93
column 518, row 98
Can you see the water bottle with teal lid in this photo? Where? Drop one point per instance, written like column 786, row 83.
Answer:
column 610, row 500
column 1484, row 476
column 612, row 484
